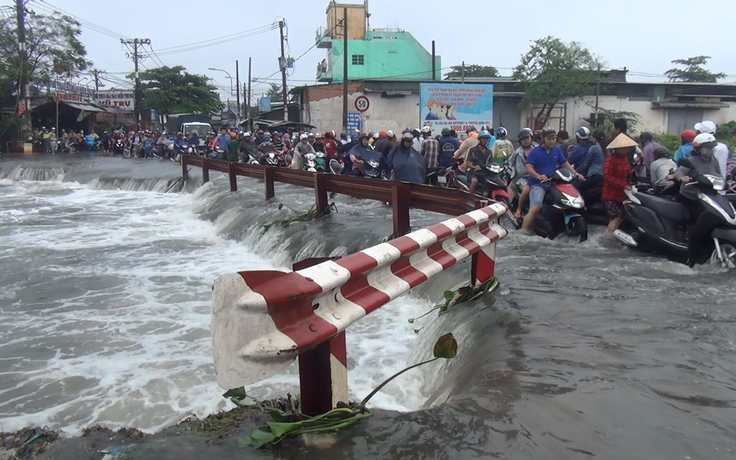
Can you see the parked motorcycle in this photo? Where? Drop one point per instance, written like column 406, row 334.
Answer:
column 662, row 225
column 561, row 211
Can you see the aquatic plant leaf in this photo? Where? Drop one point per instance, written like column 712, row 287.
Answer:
column 446, row 347
column 449, row 295
column 257, row 438
column 282, row 429
column 235, row 393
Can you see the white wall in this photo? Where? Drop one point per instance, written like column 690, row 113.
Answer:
column 383, row 113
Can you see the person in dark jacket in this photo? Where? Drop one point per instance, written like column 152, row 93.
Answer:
column 385, row 144
column 361, row 154
column 343, row 152
column 448, row 146
column 405, row 163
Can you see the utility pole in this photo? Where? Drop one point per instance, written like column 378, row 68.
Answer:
column 250, row 119
column 96, row 75
column 282, row 63
column 136, row 43
column 434, row 63
column 462, row 74
column 345, row 71
column 237, row 87
column 597, row 93
column 24, row 83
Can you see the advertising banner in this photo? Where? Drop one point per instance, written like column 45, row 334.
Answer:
column 353, row 122
column 455, row 106
column 121, row 99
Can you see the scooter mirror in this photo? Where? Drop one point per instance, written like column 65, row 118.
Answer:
column 686, row 163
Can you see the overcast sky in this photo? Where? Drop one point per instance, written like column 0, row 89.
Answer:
column 642, row 35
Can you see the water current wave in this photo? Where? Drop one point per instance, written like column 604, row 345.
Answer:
column 587, row 350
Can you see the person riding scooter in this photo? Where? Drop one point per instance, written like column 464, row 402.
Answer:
column 701, row 162
column 478, row 157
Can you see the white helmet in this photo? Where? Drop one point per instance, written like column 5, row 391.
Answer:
column 303, row 137
column 426, row 130
column 390, row 134
column 704, row 144
column 375, row 135
column 246, row 134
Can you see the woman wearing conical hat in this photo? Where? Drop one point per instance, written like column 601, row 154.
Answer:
column 616, row 178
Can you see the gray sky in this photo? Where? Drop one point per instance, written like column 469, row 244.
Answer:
column 642, row 35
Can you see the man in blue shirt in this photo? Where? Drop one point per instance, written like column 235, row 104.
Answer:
column 222, row 139
column 541, row 162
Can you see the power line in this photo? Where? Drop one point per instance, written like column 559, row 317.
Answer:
column 215, row 41
column 50, row 9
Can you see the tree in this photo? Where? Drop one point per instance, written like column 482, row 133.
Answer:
column 275, row 93
column 53, row 48
column 174, row 90
column 553, row 70
column 694, row 72
column 473, row 70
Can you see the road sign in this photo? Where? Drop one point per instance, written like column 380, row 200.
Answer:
column 353, row 121
column 362, row 103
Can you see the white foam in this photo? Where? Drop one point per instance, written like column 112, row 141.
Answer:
column 128, row 342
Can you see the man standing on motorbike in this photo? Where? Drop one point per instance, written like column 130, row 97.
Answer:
column 541, row 162
column 703, row 162
column 519, row 178
column 431, row 152
column 478, row 157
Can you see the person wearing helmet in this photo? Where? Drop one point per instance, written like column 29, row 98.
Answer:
column 448, row 146
column 702, row 161
column 431, row 152
column 502, row 149
column 344, row 153
column 248, row 148
column 330, row 145
column 518, row 177
column 385, row 143
column 300, row 150
column 721, row 151
column 405, row 163
column 232, row 148
column 265, row 147
column 587, row 159
column 462, row 152
column 686, row 137
column 542, row 161
column 418, row 139
column 361, row 153
column 318, row 145
column 478, row 156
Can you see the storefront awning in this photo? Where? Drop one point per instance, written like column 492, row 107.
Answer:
column 87, row 106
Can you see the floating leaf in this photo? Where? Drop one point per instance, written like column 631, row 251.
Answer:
column 257, row 438
column 235, row 393
column 282, row 429
column 449, row 295
column 446, row 347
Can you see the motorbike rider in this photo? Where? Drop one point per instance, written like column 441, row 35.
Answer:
column 587, row 159
column 661, row 170
column 417, row 142
column 431, row 152
column 686, row 148
column 703, row 162
column 721, row 151
column 405, row 163
column 502, row 149
column 361, row 153
column 448, row 146
column 317, row 144
column 222, row 139
column 542, row 161
column 265, row 148
column 478, row 157
column 519, row 178
column 300, row 150
column 462, row 152
column 330, row 144
column 344, row 153
column 386, row 143
column 248, row 149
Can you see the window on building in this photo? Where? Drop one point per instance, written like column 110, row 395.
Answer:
column 358, row 59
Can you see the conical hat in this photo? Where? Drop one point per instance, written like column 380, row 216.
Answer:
column 622, row 141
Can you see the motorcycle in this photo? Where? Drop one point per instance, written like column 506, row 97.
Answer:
column 492, row 185
column 662, row 225
column 336, row 167
column 561, row 211
column 118, row 147
column 272, row 159
column 594, row 212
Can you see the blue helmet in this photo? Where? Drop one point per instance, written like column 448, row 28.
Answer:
column 484, row 133
column 501, row 132
column 266, row 138
column 354, row 136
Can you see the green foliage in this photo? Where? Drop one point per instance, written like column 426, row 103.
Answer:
column 694, row 71
column 473, row 70
column 723, row 133
column 289, row 421
column 53, row 48
column 553, row 70
column 174, row 90
column 275, row 93
column 671, row 141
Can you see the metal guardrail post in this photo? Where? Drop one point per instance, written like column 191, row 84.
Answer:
column 400, row 204
column 184, row 171
column 320, row 193
column 205, row 170
column 233, row 177
column 269, row 177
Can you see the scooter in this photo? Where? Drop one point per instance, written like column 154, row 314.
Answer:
column 491, row 186
column 118, row 147
column 336, row 167
column 310, row 162
column 661, row 224
column 272, row 159
column 561, row 211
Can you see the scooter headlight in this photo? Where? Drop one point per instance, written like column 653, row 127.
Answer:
column 576, row 202
column 717, row 182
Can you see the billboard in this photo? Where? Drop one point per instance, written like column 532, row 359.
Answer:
column 120, row 99
column 455, row 106
column 264, row 104
column 353, row 121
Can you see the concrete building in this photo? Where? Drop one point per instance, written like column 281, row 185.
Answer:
column 394, row 104
column 377, row 53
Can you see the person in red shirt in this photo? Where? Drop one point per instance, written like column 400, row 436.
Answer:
column 330, row 144
column 616, row 178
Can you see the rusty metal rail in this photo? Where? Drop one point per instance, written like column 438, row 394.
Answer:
column 401, row 195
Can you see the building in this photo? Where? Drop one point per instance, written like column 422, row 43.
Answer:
column 372, row 53
column 662, row 107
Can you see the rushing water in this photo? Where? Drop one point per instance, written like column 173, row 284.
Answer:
column 587, row 350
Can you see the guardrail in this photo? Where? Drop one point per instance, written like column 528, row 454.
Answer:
column 262, row 320
column 401, row 195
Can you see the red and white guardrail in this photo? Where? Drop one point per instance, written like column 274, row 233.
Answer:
column 263, row 319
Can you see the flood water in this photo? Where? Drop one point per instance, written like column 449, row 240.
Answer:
column 587, row 350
